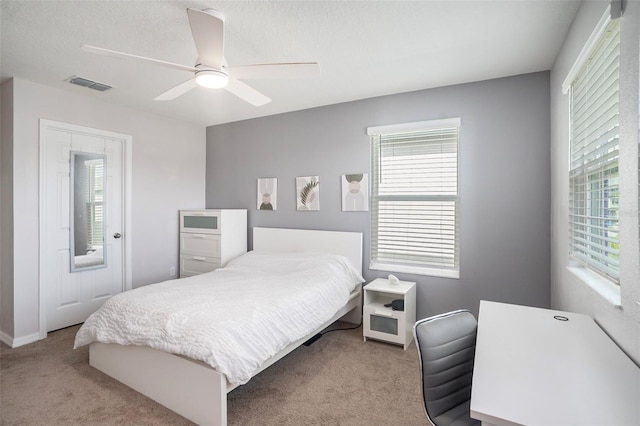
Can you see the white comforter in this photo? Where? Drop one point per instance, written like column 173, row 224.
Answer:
column 233, row 318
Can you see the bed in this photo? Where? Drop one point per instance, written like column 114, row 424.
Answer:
column 193, row 388
column 95, row 258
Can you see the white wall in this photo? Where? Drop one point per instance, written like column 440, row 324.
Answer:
column 6, row 213
column 568, row 291
column 168, row 175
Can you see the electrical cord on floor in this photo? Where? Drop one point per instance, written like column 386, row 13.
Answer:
column 313, row 339
column 342, row 329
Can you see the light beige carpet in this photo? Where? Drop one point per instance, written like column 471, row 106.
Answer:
column 339, row 380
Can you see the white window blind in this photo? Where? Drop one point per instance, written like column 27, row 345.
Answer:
column 94, row 202
column 593, row 174
column 414, row 198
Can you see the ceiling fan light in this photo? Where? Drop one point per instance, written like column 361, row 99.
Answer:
column 212, row 79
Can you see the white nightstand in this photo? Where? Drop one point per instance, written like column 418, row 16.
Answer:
column 383, row 323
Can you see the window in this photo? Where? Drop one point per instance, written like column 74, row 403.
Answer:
column 593, row 170
column 94, row 202
column 414, row 198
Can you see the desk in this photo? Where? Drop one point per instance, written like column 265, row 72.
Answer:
column 533, row 369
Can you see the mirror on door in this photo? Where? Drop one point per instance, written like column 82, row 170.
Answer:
column 87, row 225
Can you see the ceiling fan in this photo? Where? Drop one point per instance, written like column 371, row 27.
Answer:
column 211, row 69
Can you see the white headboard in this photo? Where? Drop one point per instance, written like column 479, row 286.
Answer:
column 347, row 244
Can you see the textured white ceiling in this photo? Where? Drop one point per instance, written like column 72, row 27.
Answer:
column 365, row 48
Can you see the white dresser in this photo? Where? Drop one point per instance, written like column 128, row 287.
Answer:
column 210, row 238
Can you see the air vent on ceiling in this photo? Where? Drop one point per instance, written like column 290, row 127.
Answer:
column 79, row 81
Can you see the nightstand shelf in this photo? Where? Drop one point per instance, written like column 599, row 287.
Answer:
column 382, row 322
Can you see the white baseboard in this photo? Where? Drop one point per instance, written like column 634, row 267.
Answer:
column 5, row 338
column 20, row 341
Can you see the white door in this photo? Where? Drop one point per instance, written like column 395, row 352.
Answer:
column 71, row 296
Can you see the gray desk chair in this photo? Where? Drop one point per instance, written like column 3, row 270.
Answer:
column 446, row 346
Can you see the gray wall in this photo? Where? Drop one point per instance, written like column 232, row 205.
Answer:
column 586, row 293
column 504, row 179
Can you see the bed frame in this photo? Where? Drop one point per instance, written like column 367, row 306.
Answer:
column 192, row 388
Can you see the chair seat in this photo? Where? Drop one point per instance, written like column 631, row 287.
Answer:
column 446, row 347
column 457, row 416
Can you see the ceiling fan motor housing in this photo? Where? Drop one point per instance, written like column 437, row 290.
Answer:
column 211, row 78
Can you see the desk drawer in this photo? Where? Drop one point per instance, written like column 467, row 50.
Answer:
column 384, row 323
column 206, row 245
column 194, row 265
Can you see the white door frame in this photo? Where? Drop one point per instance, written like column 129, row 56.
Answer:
column 126, row 203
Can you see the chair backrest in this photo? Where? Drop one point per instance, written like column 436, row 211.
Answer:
column 446, row 347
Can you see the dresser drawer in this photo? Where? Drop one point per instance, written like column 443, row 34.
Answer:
column 206, row 245
column 201, row 221
column 193, row 265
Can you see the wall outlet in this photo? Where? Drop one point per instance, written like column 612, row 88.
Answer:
column 172, row 271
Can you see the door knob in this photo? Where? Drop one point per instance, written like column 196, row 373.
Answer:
column 117, row 235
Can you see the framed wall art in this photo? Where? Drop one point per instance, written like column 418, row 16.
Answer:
column 307, row 193
column 355, row 192
column 267, row 194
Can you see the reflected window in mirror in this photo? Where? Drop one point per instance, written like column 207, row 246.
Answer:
column 87, row 223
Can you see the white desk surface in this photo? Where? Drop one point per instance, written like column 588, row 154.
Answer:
column 532, row 369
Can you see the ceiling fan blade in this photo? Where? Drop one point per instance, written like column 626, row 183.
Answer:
column 178, row 90
column 284, row 70
column 128, row 56
column 247, row 93
column 207, row 28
